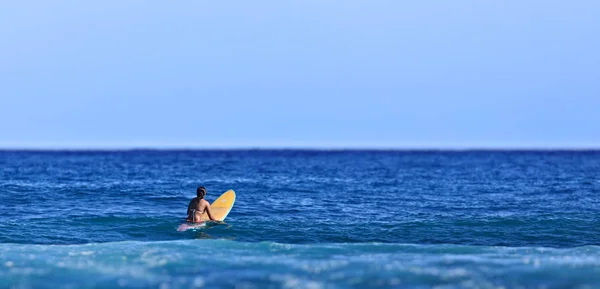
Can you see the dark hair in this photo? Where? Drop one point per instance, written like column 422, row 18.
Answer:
column 200, row 192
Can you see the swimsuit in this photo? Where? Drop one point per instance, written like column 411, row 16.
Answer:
column 193, row 215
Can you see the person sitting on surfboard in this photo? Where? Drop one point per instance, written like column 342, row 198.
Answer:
column 198, row 206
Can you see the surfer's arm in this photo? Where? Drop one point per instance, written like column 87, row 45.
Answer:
column 208, row 212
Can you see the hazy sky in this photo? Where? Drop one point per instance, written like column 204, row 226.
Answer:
column 300, row 73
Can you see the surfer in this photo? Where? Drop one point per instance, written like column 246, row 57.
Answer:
column 198, row 206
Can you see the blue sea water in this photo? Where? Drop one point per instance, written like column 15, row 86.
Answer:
column 302, row 219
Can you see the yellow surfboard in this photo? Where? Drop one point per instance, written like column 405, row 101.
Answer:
column 221, row 207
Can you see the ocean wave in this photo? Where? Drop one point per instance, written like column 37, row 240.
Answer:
column 226, row 264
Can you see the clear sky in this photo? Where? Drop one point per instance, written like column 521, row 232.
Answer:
column 349, row 73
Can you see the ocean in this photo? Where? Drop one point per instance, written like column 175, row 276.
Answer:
column 302, row 219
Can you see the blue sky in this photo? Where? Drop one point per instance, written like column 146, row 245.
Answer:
column 393, row 74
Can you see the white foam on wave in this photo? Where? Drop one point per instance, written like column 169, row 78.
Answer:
column 155, row 264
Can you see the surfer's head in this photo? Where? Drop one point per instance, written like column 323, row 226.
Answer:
column 200, row 192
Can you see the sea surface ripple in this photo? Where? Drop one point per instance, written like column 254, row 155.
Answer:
column 302, row 219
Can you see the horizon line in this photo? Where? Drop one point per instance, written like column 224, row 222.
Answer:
column 296, row 148
column 384, row 146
